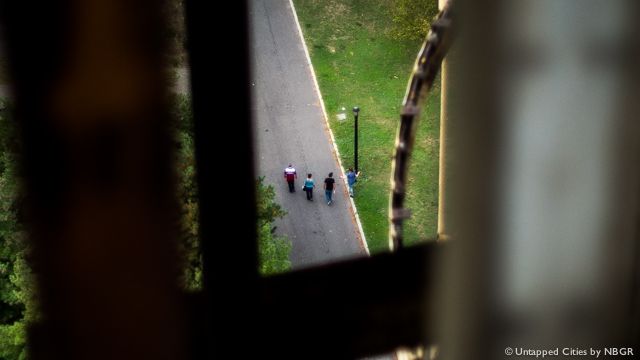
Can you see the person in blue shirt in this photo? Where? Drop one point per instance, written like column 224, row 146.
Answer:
column 352, row 177
column 309, row 184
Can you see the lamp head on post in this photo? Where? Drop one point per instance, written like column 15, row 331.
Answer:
column 356, row 110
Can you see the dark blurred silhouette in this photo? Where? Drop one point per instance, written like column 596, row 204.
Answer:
column 539, row 192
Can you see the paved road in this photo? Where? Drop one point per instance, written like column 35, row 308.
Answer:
column 290, row 127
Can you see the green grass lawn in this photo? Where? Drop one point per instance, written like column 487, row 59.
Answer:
column 358, row 63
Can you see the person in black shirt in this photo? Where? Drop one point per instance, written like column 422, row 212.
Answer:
column 329, row 188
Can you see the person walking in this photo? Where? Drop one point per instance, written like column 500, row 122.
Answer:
column 309, row 184
column 329, row 188
column 290, row 175
column 352, row 177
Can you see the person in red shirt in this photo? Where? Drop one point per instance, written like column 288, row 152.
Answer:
column 290, row 175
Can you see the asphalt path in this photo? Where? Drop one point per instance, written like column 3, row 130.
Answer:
column 290, row 128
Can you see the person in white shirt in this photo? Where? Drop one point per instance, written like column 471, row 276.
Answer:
column 290, row 175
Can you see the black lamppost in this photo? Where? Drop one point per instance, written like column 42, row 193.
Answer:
column 356, row 110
